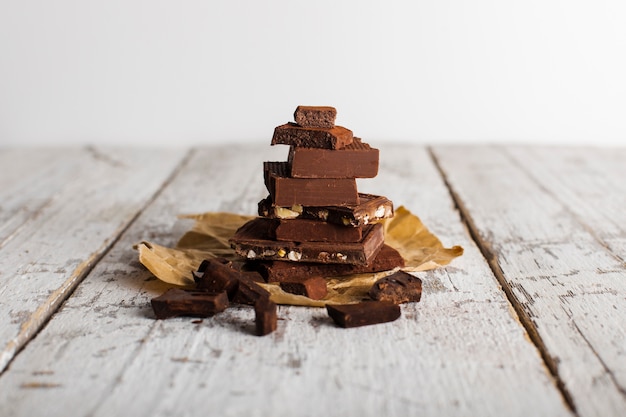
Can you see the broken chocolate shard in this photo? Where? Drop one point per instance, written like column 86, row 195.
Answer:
column 304, row 230
column 357, row 160
column 286, row 191
column 370, row 208
column 249, row 292
column 266, row 316
column 312, row 287
column 315, row 116
column 399, row 287
column 217, row 275
column 177, row 302
column 364, row 313
column 253, row 241
column 312, row 137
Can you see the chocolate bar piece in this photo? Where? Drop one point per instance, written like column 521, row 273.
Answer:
column 312, row 137
column 266, row 317
column 216, row 275
column 304, row 230
column 315, row 116
column 249, row 292
column 312, row 287
column 278, row 271
column 370, row 208
column 400, row 287
column 357, row 160
column 286, row 191
column 253, row 241
column 364, row 313
column 177, row 302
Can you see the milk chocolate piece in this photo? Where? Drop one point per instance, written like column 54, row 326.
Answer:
column 357, row 160
column 304, row 230
column 312, row 287
column 315, row 116
column 286, row 191
column 253, row 241
column 278, row 271
column 312, row 137
column 177, row 302
column 398, row 288
column 266, row 317
column 364, row 313
column 370, row 208
column 216, row 275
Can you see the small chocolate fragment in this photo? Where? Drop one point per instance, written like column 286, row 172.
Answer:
column 315, row 116
column 253, row 241
column 215, row 275
column 399, row 287
column 278, row 271
column 249, row 292
column 371, row 207
column 364, row 313
column 312, row 137
column 177, row 302
column 286, row 191
column 312, row 287
column 304, row 230
column 266, row 317
column 357, row 160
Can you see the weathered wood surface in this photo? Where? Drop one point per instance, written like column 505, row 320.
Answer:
column 61, row 210
column 553, row 223
column 460, row 351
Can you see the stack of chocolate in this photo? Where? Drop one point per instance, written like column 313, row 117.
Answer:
column 314, row 221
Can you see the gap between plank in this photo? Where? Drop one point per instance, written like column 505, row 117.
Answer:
column 492, row 260
column 66, row 290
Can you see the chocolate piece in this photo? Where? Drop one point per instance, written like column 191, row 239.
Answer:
column 177, row 302
column 253, row 241
column 312, row 287
column 266, row 317
column 400, row 287
column 216, row 275
column 315, row 116
column 363, row 314
column 249, row 292
column 370, row 208
column 278, row 271
column 287, row 191
column 312, row 137
column 357, row 160
column 303, row 230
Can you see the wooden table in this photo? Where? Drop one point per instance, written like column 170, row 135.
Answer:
column 530, row 321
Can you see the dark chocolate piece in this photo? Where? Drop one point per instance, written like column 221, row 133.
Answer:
column 177, row 302
column 286, row 191
column 370, row 208
column 216, row 275
column 304, row 230
column 278, row 271
column 363, row 314
column 400, row 287
column 312, row 137
column 266, row 317
column 249, row 292
column 312, row 287
column 315, row 116
column 253, row 241
column 357, row 160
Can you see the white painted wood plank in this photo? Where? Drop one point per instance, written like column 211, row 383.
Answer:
column 95, row 195
column 460, row 351
column 568, row 284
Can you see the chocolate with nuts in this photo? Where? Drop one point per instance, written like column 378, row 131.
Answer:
column 399, row 287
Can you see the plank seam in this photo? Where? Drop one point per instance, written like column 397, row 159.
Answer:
column 492, row 260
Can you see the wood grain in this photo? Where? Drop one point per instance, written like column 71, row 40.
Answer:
column 551, row 223
column 460, row 351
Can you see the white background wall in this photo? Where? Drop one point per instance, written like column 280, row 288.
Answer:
column 174, row 72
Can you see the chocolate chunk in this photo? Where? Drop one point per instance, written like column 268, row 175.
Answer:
column 253, row 241
column 312, row 287
column 364, row 313
column 286, row 191
column 312, row 137
column 303, row 230
column 400, row 287
column 357, row 160
column 278, row 271
column 266, row 317
column 177, row 302
column 315, row 116
column 249, row 292
column 216, row 275
column 370, row 208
